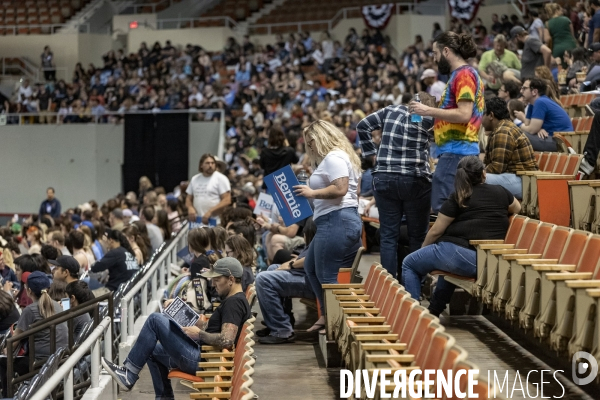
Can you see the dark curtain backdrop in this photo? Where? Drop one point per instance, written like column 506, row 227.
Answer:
column 157, row 146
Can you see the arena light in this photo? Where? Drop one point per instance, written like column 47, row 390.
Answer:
column 133, row 25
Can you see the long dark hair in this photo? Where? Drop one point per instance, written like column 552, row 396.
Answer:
column 468, row 174
column 461, row 44
column 118, row 236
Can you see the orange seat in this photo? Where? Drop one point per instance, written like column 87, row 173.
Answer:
column 178, row 374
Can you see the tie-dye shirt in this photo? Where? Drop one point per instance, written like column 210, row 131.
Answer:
column 457, row 138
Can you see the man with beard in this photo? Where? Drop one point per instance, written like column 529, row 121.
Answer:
column 164, row 345
column 209, row 192
column 535, row 53
column 458, row 119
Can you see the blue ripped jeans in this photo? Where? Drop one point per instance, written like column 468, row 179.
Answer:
column 163, row 346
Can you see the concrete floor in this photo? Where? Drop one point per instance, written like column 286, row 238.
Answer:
column 296, row 371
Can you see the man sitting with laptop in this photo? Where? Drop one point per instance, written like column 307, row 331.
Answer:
column 165, row 345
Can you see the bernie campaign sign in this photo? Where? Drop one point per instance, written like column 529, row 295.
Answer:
column 292, row 208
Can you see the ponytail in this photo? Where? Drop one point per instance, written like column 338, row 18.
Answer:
column 46, row 304
column 468, row 174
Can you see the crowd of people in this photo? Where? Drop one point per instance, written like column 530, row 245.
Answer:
column 485, row 103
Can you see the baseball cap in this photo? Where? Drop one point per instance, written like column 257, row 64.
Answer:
column 127, row 213
column 516, row 31
column 595, row 47
column 38, row 281
column 67, row 262
column 225, row 267
column 429, row 73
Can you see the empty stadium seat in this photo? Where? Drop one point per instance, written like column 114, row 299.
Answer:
column 537, row 295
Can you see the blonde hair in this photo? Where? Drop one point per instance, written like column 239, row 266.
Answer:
column 328, row 138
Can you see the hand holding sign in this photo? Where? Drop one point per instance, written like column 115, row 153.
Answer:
column 293, row 208
column 304, row 191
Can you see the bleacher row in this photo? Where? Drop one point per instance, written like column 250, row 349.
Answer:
column 225, row 374
column 546, row 279
column 30, row 14
column 545, row 191
column 377, row 325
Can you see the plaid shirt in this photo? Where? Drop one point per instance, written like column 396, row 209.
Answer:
column 508, row 150
column 404, row 147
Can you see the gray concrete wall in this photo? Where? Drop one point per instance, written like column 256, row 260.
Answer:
column 82, row 162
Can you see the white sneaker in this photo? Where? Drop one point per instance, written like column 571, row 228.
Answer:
column 586, row 167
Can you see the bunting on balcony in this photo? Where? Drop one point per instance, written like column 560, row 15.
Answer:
column 465, row 10
column 377, row 17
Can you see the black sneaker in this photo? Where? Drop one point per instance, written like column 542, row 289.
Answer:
column 124, row 378
column 277, row 340
column 263, row 332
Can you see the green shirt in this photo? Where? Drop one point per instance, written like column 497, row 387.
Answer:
column 509, row 59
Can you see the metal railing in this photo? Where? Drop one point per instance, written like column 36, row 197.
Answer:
column 344, row 13
column 65, row 372
column 101, row 118
column 149, row 7
column 157, row 276
column 50, row 324
column 46, row 29
column 204, row 22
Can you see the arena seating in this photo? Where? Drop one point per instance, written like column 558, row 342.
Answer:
column 28, row 16
column 403, row 335
column 577, row 105
column 552, row 204
column 308, row 11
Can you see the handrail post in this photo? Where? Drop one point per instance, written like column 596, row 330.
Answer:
column 145, row 299
column 68, row 386
column 131, row 319
column 95, row 367
column 155, row 294
column 124, row 322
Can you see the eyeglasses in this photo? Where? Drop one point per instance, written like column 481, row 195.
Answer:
column 228, row 252
column 502, row 90
column 525, row 88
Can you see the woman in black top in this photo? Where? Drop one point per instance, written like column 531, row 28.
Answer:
column 474, row 211
column 239, row 248
column 277, row 155
column 119, row 261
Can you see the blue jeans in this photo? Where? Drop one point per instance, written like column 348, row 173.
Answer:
column 508, row 181
column 271, row 287
column 539, row 144
column 443, row 179
column 163, row 345
column 334, row 246
column 444, row 256
column 397, row 195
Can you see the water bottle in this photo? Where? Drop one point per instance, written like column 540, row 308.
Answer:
column 416, row 117
column 302, row 177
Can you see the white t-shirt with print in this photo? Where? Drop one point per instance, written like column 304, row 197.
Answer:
column 334, row 166
column 207, row 191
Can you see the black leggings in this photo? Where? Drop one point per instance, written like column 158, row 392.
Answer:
column 20, row 367
column 592, row 145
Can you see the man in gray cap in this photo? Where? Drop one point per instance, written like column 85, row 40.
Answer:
column 164, row 345
column 535, row 53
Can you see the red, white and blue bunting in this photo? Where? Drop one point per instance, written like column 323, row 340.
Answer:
column 465, row 10
column 377, row 17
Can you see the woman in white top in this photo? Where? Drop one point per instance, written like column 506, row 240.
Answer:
column 333, row 186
